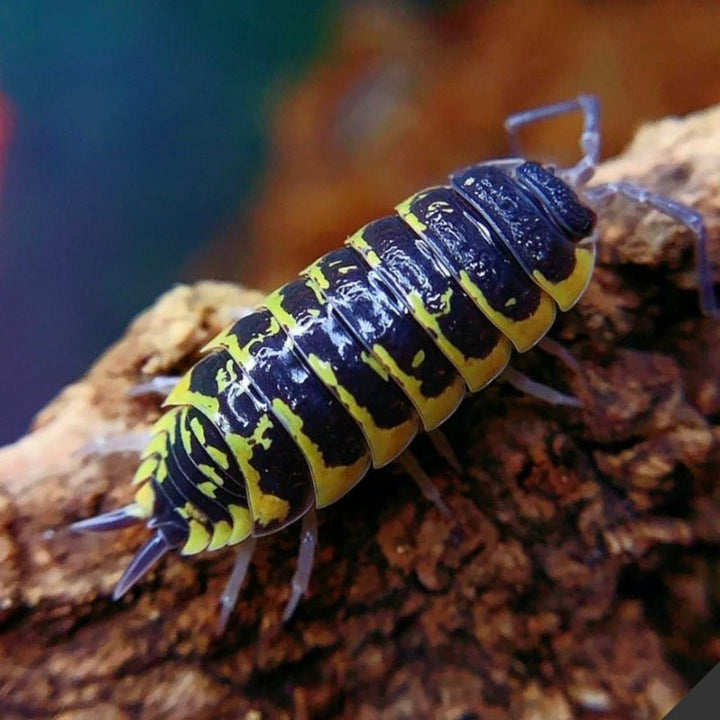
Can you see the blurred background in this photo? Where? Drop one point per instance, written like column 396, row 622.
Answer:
column 239, row 140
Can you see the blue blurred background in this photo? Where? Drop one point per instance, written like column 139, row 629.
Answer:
column 139, row 150
column 137, row 135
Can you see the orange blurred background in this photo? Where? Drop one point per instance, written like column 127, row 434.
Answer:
column 404, row 96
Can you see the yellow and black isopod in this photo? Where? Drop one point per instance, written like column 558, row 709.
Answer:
column 336, row 372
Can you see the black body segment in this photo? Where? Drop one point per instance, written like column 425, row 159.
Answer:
column 395, row 344
column 536, row 243
column 558, row 200
column 485, row 269
column 209, row 451
column 477, row 349
column 273, row 471
column 208, row 465
column 386, row 417
column 203, row 513
column 319, row 425
column 340, row 368
column 517, row 217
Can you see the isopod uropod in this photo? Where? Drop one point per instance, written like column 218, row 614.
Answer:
column 337, row 371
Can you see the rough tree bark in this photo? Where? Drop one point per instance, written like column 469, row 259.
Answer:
column 576, row 577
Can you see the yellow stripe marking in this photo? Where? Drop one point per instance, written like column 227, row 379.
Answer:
column 145, row 470
column 209, row 472
column 161, row 471
column 185, row 432
column 181, row 394
column 477, row 372
column 225, row 376
column 274, row 303
column 216, row 454
column 198, row 534
column 242, row 524
column 145, row 500
column 198, row 430
column 207, row 488
column 385, row 443
column 220, row 536
column 432, row 410
column 370, row 360
column 358, row 242
column 158, row 443
column 198, row 538
column 522, row 333
column 567, row 292
column 331, row 483
column 241, row 353
column 265, row 507
column 315, row 273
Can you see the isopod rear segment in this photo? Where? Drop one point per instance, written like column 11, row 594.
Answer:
column 337, row 371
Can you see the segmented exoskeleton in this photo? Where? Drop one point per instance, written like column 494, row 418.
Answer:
column 337, row 371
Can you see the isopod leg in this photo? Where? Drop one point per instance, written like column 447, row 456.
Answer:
column 538, row 390
column 147, row 556
column 410, row 466
column 113, row 520
column 306, row 556
column 130, row 442
column 164, row 384
column 554, row 348
column 589, row 105
column 444, row 449
column 158, row 385
column 229, row 597
column 679, row 212
column 240, row 311
column 561, row 353
column 127, row 442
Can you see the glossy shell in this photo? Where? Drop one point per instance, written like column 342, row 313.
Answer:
column 339, row 370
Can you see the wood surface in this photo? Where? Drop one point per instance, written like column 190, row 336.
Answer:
column 576, row 578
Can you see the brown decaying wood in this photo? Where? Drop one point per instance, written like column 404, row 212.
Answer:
column 577, row 576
